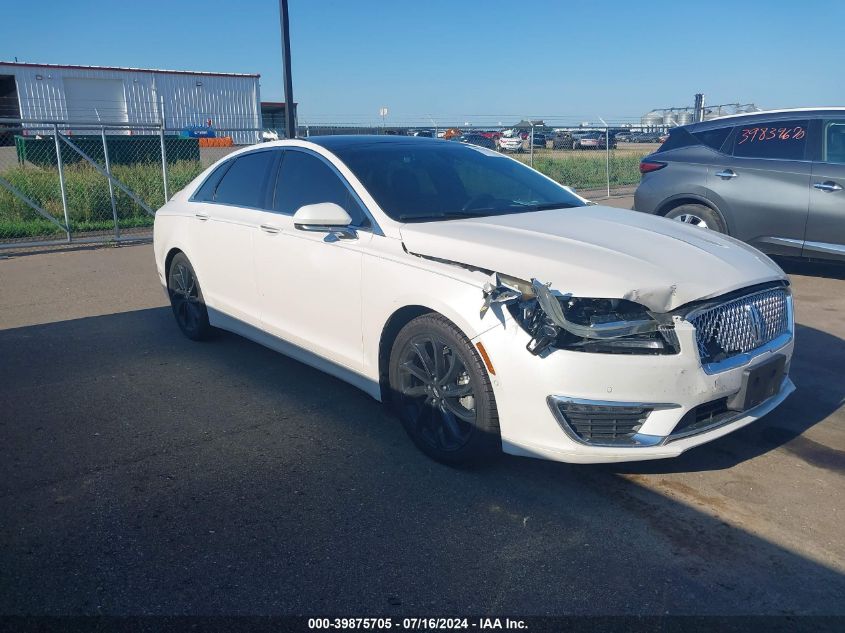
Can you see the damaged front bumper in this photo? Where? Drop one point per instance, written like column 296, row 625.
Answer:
column 568, row 405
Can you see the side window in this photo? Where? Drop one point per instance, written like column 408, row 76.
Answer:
column 714, row 139
column 833, row 150
column 305, row 179
column 785, row 140
column 205, row 193
column 245, row 184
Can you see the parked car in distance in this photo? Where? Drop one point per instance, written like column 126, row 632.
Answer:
column 772, row 179
column 513, row 143
column 478, row 139
column 623, row 137
column 559, row 140
column 490, row 306
column 591, row 140
column 646, row 137
column 539, row 139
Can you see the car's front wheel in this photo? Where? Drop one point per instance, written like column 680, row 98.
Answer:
column 698, row 215
column 442, row 393
column 186, row 299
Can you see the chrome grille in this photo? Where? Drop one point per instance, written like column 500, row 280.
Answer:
column 741, row 325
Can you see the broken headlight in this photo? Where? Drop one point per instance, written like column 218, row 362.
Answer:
column 610, row 326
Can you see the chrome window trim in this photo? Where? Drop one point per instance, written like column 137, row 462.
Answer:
column 780, row 160
column 638, row 440
column 744, row 358
column 825, row 247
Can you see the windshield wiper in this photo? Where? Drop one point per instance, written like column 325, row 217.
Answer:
column 548, row 206
column 445, row 215
column 478, row 213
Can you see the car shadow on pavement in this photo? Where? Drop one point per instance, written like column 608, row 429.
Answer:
column 144, row 473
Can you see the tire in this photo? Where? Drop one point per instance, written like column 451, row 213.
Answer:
column 698, row 215
column 446, row 407
column 186, row 299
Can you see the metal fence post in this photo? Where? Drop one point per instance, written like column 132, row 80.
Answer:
column 607, row 157
column 531, row 146
column 61, row 167
column 163, row 153
column 111, row 186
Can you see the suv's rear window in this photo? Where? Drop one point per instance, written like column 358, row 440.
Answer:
column 678, row 137
column 785, row 140
column 682, row 137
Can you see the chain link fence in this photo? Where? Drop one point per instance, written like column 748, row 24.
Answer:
column 63, row 182
column 67, row 182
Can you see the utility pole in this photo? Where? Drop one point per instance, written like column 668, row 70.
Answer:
column 290, row 123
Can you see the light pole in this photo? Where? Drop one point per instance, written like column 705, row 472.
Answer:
column 382, row 113
column 290, row 124
column 606, row 153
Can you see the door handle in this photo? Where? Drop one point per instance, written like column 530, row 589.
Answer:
column 727, row 173
column 828, row 186
column 270, row 228
column 201, row 216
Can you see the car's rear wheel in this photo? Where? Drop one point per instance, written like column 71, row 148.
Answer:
column 186, row 299
column 442, row 393
column 698, row 215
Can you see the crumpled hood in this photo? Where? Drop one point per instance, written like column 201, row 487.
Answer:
column 601, row 252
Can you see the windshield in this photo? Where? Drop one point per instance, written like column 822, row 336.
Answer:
column 418, row 182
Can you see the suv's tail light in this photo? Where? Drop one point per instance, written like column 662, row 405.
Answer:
column 647, row 166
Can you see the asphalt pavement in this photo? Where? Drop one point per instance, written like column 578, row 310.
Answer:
column 141, row 473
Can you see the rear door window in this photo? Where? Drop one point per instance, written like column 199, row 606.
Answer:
column 245, row 184
column 785, row 140
column 206, row 191
column 833, row 148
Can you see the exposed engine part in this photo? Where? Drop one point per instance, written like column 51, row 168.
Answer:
column 581, row 324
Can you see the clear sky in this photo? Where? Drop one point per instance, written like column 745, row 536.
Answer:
column 464, row 60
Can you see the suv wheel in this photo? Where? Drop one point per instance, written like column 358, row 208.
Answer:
column 698, row 215
column 441, row 391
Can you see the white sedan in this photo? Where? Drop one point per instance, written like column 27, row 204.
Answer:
column 491, row 307
column 513, row 143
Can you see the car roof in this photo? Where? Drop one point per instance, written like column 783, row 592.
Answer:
column 777, row 115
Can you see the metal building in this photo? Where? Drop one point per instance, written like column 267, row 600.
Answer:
column 53, row 92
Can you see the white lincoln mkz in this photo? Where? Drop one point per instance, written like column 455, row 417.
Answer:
column 491, row 307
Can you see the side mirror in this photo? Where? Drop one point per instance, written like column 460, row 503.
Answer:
column 324, row 217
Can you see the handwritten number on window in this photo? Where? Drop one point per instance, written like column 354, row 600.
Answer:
column 762, row 134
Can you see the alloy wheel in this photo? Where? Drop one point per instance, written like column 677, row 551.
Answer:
column 693, row 220
column 184, row 296
column 437, row 393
